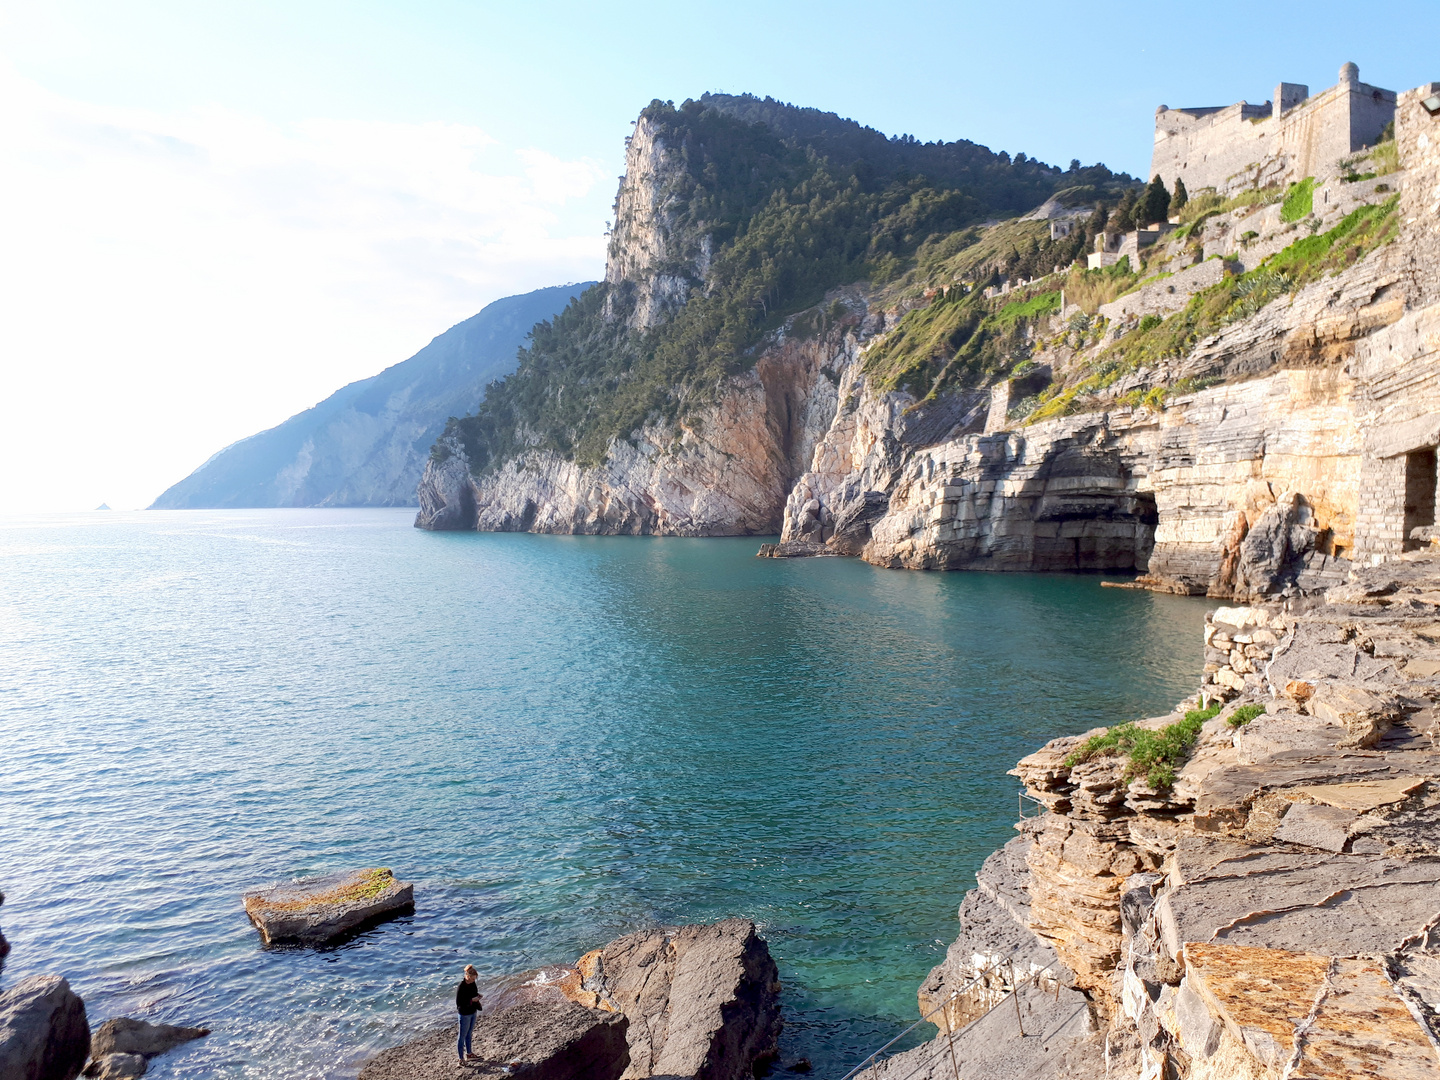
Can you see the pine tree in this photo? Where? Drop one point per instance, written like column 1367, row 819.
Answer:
column 1154, row 205
column 1181, row 196
column 1123, row 217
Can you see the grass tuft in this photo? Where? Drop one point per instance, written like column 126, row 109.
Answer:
column 1152, row 754
column 1244, row 714
column 1299, row 200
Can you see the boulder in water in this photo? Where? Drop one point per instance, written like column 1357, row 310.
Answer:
column 126, row 1036
column 318, row 910
column 534, row 1041
column 43, row 1031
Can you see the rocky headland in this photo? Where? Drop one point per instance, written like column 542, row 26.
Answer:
column 1247, row 887
column 1241, row 421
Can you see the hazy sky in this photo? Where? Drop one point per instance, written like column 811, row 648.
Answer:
column 214, row 214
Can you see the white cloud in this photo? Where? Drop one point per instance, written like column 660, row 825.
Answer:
column 169, row 283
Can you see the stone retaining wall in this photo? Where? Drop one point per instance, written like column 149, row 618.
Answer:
column 1167, row 295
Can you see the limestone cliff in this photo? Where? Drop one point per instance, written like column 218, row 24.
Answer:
column 1263, row 453
column 653, row 260
column 1259, row 901
column 726, row 471
column 685, row 393
column 1238, row 465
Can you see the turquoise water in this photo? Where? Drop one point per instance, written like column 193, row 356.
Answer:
column 558, row 739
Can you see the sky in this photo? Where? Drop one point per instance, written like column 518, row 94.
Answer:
column 214, row 214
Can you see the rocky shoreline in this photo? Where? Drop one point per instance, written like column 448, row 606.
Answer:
column 1260, row 900
column 688, row 1001
column 1244, row 888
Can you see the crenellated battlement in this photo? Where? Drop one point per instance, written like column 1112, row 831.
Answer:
column 1286, row 139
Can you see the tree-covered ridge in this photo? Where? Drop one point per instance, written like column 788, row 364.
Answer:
column 1002, row 185
column 796, row 202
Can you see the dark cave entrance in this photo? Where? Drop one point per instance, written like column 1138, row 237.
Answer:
column 1419, row 494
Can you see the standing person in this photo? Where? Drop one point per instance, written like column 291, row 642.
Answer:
column 467, row 1004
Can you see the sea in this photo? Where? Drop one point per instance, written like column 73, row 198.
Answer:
column 558, row 739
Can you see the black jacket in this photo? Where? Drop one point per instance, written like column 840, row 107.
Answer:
column 467, row 998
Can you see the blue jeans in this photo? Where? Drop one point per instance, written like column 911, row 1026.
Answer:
column 467, row 1025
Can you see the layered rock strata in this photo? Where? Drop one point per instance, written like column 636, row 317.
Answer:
column 1173, row 492
column 1318, row 449
column 1272, row 911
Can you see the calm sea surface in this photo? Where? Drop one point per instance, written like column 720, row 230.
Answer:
column 558, row 739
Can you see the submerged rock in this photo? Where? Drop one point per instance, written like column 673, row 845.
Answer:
column 534, row 1041
column 126, row 1036
column 43, row 1031
column 116, row 1066
column 320, row 909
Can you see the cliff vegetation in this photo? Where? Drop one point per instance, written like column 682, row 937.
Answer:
column 793, row 203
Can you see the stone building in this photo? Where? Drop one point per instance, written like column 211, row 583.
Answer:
column 1110, row 248
column 1282, row 141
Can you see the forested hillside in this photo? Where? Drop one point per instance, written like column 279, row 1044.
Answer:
column 767, row 207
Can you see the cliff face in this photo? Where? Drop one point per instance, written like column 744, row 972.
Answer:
column 1240, row 489
column 681, row 369
column 1262, row 454
column 1274, row 481
column 652, row 259
column 724, row 473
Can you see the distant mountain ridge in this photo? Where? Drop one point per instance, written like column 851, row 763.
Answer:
column 367, row 443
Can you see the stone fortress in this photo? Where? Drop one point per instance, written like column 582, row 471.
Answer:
column 1293, row 136
column 1231, row 148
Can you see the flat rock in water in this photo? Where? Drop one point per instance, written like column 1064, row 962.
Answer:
column 43, row 1031
column 126, row 1036
column 318, row 910
column 535, row 1041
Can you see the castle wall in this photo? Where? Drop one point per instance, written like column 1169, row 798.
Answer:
column 1246, row 145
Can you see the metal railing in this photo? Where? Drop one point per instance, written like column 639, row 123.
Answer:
column 1007, row 961
column 1022, row 799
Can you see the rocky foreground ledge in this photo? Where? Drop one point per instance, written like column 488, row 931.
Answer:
column 699, row 1002
column 1246, row 888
